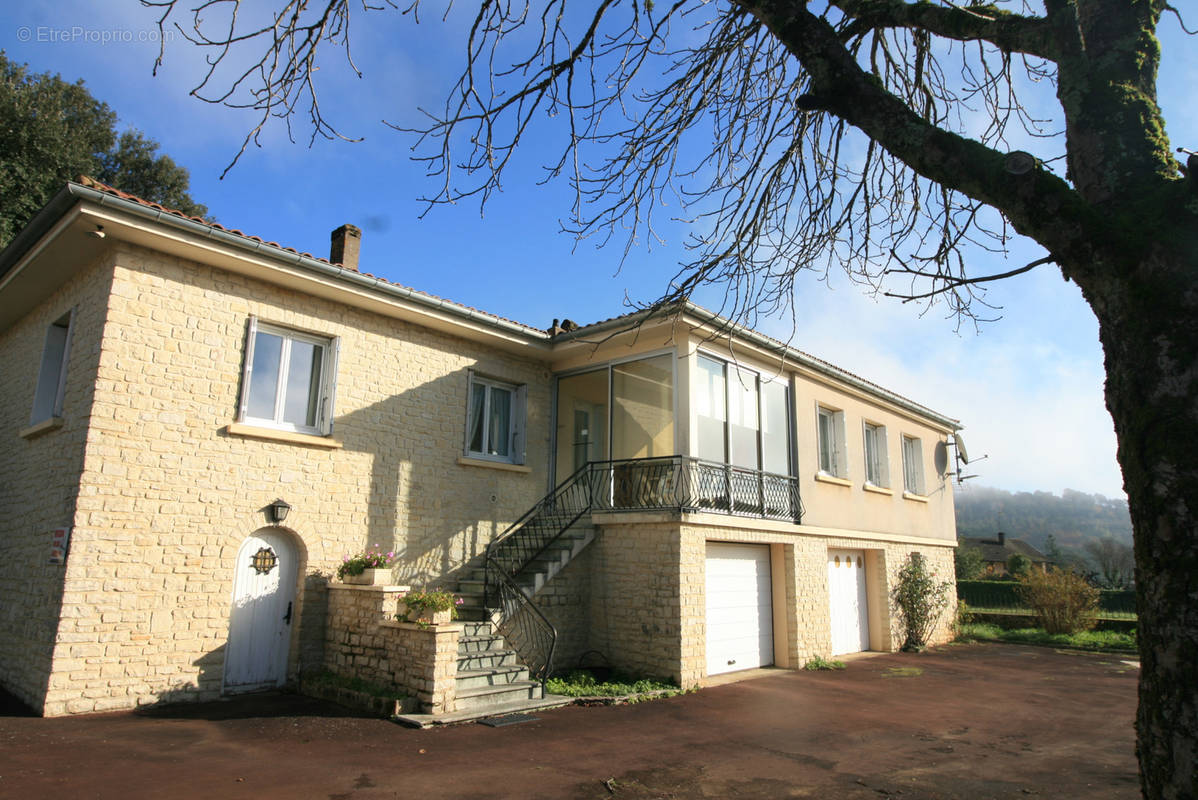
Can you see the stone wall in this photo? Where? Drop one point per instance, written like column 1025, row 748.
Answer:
column 635, row 610
column 39, row 486
column 168, row 493
column 364, row 640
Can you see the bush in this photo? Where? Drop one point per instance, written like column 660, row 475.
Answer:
column 821, row 663
column 920, row 600
column 1063, row 602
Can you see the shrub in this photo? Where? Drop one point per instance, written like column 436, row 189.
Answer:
column 1062, row 601
column 920, row 600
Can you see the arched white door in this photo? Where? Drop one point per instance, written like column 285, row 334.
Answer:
column 263, row 607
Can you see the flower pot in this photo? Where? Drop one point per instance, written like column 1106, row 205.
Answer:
column 369, row 577
column 430, row 617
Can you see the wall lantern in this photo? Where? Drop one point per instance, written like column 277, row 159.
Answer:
column 277, row 511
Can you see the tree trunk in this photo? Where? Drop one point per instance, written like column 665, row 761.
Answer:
column 1148, row 323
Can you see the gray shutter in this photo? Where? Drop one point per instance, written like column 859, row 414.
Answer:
column 62, row 371
column 328, row 384
column 251, row 331
column 520, row 424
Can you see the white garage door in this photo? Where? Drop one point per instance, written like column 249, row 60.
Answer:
column 740, row 626
column 847, row 601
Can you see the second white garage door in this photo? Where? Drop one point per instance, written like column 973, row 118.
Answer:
column 740, row 626
column 847, row 602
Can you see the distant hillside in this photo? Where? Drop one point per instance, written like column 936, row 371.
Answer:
column 1073, row 518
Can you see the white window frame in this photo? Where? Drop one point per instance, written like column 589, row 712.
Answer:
column 326, row 385
column 913, row 478
column 52, row 373
column 832, row 456
column 516, row 422
column 877, row 463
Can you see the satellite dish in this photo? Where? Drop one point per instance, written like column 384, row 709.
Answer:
column 962, row 453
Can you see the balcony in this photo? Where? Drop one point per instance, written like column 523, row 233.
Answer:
column 682, row 483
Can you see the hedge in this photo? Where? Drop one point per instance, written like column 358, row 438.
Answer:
column 1001, row 594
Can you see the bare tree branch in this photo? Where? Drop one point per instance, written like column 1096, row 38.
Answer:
column 1009, row 32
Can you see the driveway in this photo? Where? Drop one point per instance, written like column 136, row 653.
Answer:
column 965, row 721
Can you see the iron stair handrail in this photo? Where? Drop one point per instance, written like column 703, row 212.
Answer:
column 500, row 589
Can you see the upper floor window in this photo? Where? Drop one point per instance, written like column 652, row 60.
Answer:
column 288, row 379
column 495, row 423
column 52, row 375
column 743, row 418
column 831, row 442
column 877, row 472
column 913, row 465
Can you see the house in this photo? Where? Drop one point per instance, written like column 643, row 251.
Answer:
column 997, row 552
column 680, row 494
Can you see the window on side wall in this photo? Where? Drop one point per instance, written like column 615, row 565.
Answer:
column 495, row 420
column 52, row 375
column 288, row 379
column 877, row 472
column 913, row 465
column 831, row 442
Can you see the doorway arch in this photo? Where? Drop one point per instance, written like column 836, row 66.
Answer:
column 264, row 588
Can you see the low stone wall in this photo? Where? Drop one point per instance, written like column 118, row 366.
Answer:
column 364, row 640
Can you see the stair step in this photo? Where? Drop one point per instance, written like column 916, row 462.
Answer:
column 479, row 644
column 495, row 676
column 487, row 659
column 477, row 627
column 487, row 696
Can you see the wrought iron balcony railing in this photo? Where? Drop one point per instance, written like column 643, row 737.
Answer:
column 682, row 483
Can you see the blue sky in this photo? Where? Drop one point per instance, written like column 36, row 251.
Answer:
column 1028, row 389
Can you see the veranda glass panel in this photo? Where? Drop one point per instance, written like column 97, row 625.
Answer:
column 581, row 421
column 742, row 417
column 643, row 408
column 710, row 394
column 775, row 428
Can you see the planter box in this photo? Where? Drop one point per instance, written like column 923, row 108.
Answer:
column 369, row 577
column 427, row 617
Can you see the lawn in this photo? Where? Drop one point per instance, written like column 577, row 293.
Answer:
column 1097, row 641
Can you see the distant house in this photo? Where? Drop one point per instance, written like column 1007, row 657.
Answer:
column 998, row 551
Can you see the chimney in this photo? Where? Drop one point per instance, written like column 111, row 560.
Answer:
column 346, row 242
column 1002, row 539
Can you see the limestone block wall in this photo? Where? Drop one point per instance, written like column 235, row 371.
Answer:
column 636, row 597
column 168, row 494
column 566, row 603
column 39, row 481
column 363, row 640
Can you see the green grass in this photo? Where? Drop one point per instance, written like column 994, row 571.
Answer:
column 1098, row 641
column 1027, row 612
column 580, row 683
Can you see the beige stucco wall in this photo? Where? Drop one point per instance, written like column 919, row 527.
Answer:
column 39, row 476
column 167, row 495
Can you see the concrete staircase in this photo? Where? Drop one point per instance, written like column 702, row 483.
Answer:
column 534, row 576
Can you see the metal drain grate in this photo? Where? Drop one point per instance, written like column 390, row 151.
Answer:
column 510, row 719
